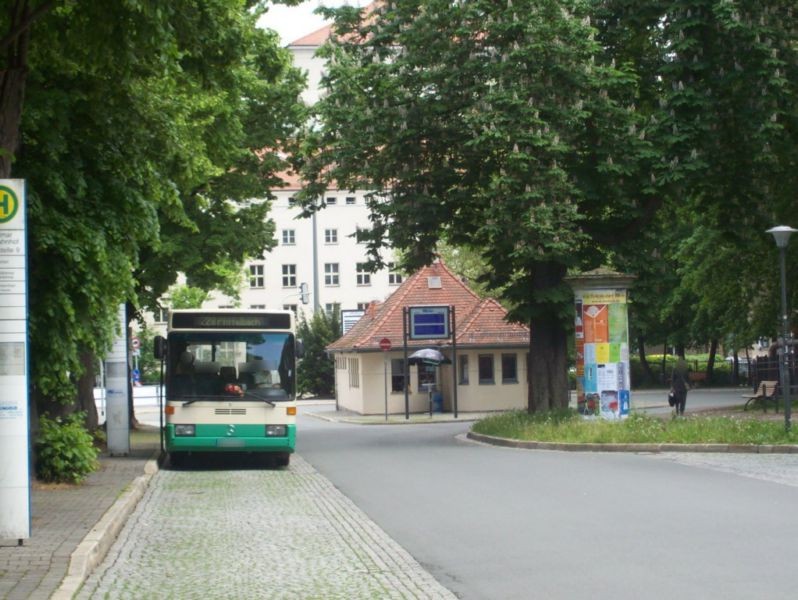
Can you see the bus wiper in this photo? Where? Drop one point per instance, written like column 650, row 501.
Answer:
column 203, row 397
column 247, row 394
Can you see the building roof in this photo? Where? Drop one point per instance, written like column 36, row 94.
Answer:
column 320, row 36
column 315, row 39
column 478, row 322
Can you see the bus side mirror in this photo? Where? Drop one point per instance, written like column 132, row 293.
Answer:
column 159, row 347
column 300, row 349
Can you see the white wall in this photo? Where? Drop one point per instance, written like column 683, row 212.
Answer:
column 369, row 397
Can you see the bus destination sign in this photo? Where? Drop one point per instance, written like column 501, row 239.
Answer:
column 230, row 321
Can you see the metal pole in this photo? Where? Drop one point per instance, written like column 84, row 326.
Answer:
column 404, row 365
column 385, row 378
column 316, row 299
column 784, row 363
column 454, row 361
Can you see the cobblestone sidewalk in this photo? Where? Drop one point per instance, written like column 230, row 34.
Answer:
column 255, row 534
column 61, row 516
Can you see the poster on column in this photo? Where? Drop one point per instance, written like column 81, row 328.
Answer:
column 602, row 358
column 14, row 475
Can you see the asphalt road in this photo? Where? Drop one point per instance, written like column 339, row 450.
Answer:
column 493, row 523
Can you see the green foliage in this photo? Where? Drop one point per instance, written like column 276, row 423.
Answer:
column 65, row 452
column 569, row 427
column 149, row 366
column 186, row 296
column 143, row 142
column 316, row 371
column 524, row 152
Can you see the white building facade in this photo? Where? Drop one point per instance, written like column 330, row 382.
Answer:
column 320, row 252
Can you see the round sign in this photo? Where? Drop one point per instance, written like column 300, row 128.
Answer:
column 9, row 203
column 385, row 344
column 135, row 343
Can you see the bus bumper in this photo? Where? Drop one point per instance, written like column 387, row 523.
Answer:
column 230, row 438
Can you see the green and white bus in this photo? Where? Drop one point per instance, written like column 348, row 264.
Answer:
column 230, row 383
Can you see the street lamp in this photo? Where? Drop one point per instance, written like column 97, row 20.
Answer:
column 782, row 235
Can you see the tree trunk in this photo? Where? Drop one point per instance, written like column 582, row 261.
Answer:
column 735, row 378
column 12, row 84
column 713, row 350
column 86, row 391
column 548, row 348
column 130, row 313
column 548, row 362
column 641, row 352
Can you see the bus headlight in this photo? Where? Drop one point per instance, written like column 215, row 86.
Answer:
column 275, row 430
column 184, row 430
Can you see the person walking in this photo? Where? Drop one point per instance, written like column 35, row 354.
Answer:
column 679, row 385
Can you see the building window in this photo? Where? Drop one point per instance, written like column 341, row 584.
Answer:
column 426, row 377
column 462, row 369
column 291, row 201
column 394, row 277
column 363, row 305
column 161, row 315
column 289, row 275
column 354, row 373
column 257, row 306
column 256, row 276
column 331, row 274
column 397, row 375
column 332, row 307
column 289, row 237
column 350, row 199
column 486, row 369
column 291, row 307
column 330, row 236
column 331, row 200
column 363, row 276
column 509, row 368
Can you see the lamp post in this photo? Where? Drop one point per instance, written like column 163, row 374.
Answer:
column 782, row 235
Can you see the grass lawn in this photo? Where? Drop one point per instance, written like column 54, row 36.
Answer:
column 569, row 427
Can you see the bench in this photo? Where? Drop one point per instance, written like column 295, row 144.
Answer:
column 696, row 377
column 764, row 393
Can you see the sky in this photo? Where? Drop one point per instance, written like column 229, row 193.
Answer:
column 294, row 22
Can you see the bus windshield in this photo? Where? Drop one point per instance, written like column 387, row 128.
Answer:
column 228, row 365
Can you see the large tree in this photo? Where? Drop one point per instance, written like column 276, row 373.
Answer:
column 504, row 126
column 142, row 138
column 722, row 83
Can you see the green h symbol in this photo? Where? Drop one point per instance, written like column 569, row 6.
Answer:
column 8, row 204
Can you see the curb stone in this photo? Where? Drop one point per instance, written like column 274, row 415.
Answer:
column 652, row 448
column 93, row 548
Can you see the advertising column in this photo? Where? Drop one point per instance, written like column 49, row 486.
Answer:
column 602, row 345
column 14, row 368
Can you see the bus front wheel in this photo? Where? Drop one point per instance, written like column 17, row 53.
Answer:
column 282, row 459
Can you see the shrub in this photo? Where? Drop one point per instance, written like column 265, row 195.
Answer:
column 65, row 451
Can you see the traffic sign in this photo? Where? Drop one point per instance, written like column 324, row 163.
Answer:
column 135, row 343
column 385, row 344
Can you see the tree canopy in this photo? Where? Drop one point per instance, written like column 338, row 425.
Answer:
column 525, row 150
column 148, row 134
column 655, row 137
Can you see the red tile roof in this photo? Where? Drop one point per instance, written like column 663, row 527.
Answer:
column 320, row 36
column 478, row 322
column 317, row 38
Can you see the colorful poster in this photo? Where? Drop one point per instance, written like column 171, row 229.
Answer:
column 602, row 354
column 595, row 319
